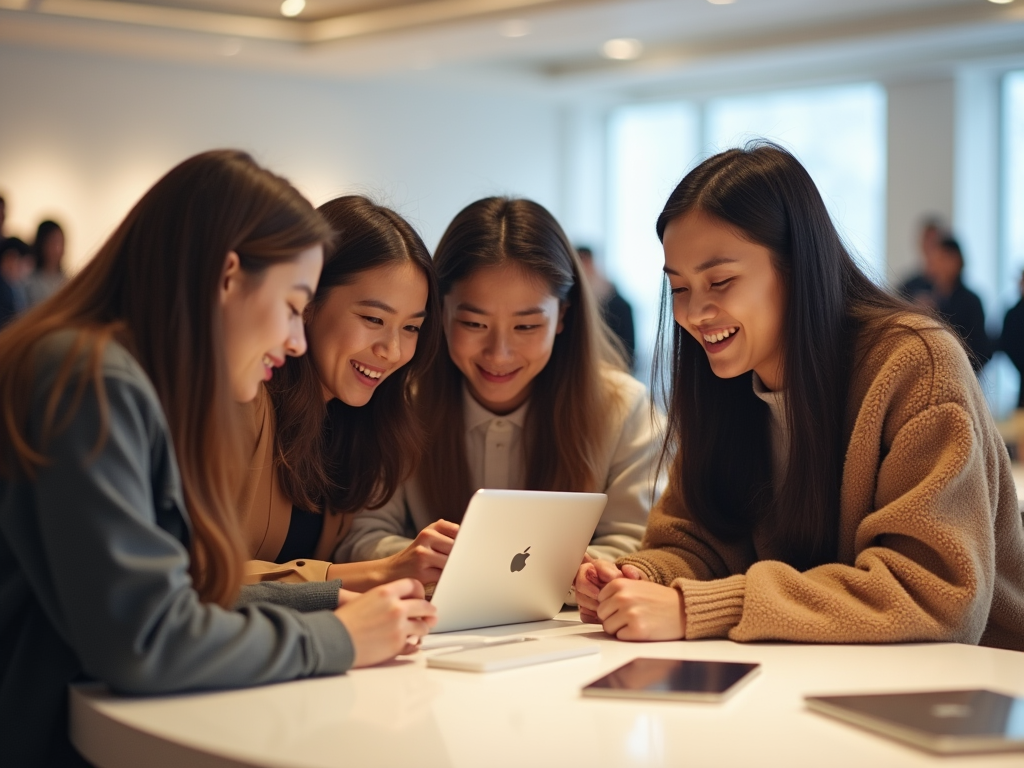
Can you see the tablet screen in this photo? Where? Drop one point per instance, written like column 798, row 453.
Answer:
column 672, row 679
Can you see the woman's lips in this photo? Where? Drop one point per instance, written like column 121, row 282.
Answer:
column 497, row 378
column 717, row 346
column 269, row 364
column 367, row 375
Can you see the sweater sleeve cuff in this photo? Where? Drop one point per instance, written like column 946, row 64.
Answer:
column 643, row 565
column 305, row 598
column 712, row 607
column 331, row 642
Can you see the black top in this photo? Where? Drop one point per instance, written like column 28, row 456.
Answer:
column 619, row 315
column 1011, row 341
column 962, row 309
column 303, row 535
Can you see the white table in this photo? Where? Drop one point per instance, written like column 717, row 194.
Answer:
column 404, row 714
column 1017, row 470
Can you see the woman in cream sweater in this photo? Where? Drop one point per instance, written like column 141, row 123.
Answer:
column 530, row 394
column 835, row 473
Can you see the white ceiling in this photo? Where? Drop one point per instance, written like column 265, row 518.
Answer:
column 688, row 44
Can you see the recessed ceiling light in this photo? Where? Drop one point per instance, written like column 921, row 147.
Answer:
column 514, row 28
column 622, row 48
column 1001, row 2
column 292, row 8
column 721, row 2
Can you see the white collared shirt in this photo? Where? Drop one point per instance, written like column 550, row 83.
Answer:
column 494, row 445
column 626, row 463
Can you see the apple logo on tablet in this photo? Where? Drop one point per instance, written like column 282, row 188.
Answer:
column 519, row 561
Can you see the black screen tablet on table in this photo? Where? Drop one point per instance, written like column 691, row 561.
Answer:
column 674, row 679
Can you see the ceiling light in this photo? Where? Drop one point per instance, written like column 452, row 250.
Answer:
column 1001, row 2
column 514, row 28
column 622, row 48
column 721, row 2
column 292, row 8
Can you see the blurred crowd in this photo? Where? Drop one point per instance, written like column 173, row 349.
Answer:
column 29, row 273
column 940, row 287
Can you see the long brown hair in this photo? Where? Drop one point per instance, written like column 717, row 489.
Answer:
column 718, row 429
column 569, row 403
column 154, row 287
column 334, row 457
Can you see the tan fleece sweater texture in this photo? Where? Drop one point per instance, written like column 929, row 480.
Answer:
column 931, row 544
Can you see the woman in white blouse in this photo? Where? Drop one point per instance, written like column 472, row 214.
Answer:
column 532, row 394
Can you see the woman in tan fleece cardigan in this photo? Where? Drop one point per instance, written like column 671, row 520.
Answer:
column 836, row 475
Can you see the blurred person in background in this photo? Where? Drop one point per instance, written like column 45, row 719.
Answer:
column 617, row 312
column 48, row 250
column 958, row 304
column 3, row 219
column 920, row 288
column 15, row 266
column 1011, row 340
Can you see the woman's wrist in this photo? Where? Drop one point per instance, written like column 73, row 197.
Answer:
column 358, row 577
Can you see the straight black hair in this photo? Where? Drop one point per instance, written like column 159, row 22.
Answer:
column 718, row 428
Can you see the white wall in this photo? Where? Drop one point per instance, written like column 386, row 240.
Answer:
column 82, row 137
column 920, row 166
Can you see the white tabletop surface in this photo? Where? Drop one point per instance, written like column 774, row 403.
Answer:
column 404, row 714
column 1018, row 479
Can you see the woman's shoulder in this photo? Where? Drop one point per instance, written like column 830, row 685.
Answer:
column 623, row 387
column 915, row 354
column 910, row 336
column 116, row 365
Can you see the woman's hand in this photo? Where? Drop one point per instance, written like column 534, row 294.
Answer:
column 345, row 595
column 592, row 577
column 425, row 558
column 641, row 610
column 387, row 621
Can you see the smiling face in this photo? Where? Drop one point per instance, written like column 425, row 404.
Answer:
column 364, row 331
column 501, row 324
column 263, row 317
column 727, row 294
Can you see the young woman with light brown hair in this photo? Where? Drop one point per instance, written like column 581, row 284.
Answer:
column 120, row 547
column 335, row 430
column 532, row 393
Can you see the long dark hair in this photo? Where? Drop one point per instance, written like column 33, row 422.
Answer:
column 719, row 428
column 333, row 457
column 154, row 287
column 44, row 232
column 569, row 404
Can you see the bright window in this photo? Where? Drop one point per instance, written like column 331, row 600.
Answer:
column 838, row 133
column 1013, row 179
column 651, row 147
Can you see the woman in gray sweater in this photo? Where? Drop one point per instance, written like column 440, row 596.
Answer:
column 120, row 549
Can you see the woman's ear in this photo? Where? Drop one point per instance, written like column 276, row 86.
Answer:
column 230, row 277
column 563, row 307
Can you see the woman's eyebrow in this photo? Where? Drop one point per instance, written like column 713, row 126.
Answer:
column 714, row 261
column 377, row 304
